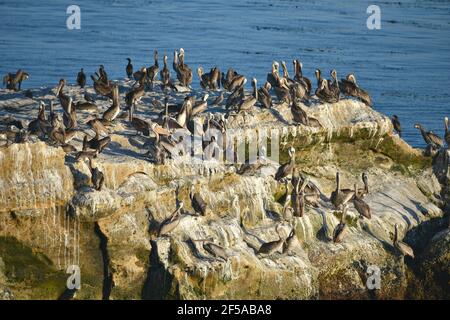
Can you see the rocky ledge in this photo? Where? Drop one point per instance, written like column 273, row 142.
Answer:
column 52, row 218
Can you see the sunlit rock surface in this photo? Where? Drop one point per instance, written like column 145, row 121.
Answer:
column 51, row 217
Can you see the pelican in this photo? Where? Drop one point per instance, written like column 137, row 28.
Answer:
column 297, row 196
column 129, row 69
column 135, row 95
column 334, row 86
column 81, row 78
column 165, row 74
column 112, row 112
column 152, row 72
column 272, row 246
column 218, row 100
column 361, row 206
column 300, row 116
column 198, row 204
column 341, row 229
column 298, row 67
column 63, row 98
column 349, row 87
column 324, row 93
column 264, row 97
column 184, row 73
column 172, row 222
column 200, row 106
column 274, row 77
column 101, row 87
column 248, row 103
column 429, row 137
column 209, row 80
column 400, row 245
column 340, row 197
column 287, row 168
column 70, row 116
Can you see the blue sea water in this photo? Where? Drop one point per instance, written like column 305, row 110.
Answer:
column 405, row 65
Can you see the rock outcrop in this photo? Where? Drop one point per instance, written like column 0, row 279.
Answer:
column 52, row 218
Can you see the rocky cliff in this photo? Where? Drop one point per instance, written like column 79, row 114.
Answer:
column 51, row 217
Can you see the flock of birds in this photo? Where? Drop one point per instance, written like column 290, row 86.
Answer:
column 59, row 131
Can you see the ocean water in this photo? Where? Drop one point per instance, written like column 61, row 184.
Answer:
column 405, row 65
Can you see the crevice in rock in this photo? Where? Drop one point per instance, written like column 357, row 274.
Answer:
column 107, row 274
column 159, row 281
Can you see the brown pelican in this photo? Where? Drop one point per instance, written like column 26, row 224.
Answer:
column 98, row 143
column 210, row 80
column 86, row 106
column 81, row 78
column 324, row 93
column 396, row 124
column 198, row 204
column 340, row 197
column 226, row 80
column 264, row 97
column 218, row 100
column 200, row 106
column 112, row 112
column 185, row 112
column 361, row 206
column 184, row 73
column 286, row 76
column 63, row 98
column 165, row 74
column 97, row 177
column 341, row 229
column 287, row 168
column 297, row 196
column 172, row 222
column 319, row 78
column 282, row 91
column 140, row 75
column 39, row 125
column 103, row 77
column 101, row 87
column 298, row 67
column 237, row 81
column 152, row 72
column 288, row 244
column 213, row 249
column 401, row 246
column 300, row 116
column 84, row 153
column 274, row 77
column 70, row 116
column 11, row 79
column 272, row 246
column 248, row 102
column 236, row 96
column 429, row 137
column 447, row 132
column 349, row 87
column 135, row 95
column 129, row 69
column 334, row 86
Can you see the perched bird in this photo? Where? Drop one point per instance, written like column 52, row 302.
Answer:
column 430, row 137
column 272, row 246
column 349, row 87
column 198, row 204
column 340, row 197
column 152, row 72
column 129, row 69
column 447, row 132
column 361, row 206
column 81, row 78
column 401, row 246
column 396, row 124
column 287, row 168
column 171, row 222
column 341, row 229
column 97, row 177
